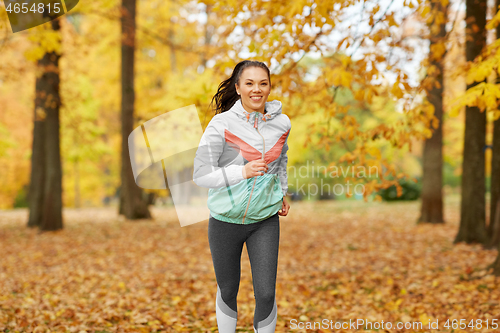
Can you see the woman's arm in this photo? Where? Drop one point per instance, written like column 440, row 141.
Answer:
column 207, row 172
column 282, row 168
column 283, row 161
column 284, row 175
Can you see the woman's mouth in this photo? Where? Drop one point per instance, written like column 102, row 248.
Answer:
column 256, row 98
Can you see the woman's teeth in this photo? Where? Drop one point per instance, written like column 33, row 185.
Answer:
column 256, row 98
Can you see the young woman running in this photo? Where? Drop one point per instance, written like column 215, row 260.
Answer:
column 242, row 159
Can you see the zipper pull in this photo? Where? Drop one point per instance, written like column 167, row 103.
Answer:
column 255, row 122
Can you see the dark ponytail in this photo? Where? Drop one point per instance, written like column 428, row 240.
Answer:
column 226, row 95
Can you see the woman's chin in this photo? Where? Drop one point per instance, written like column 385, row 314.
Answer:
column 257, row 105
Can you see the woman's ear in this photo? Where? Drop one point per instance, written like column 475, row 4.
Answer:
column 237, row 90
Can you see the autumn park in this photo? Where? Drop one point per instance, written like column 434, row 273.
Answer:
column 392, row 166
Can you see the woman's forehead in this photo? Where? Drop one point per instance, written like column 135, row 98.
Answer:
column 254, row 73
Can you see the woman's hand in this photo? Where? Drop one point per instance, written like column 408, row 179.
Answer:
column 285, row 208
column 254, row 168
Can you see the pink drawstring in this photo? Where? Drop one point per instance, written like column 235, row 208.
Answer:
column 264, row 118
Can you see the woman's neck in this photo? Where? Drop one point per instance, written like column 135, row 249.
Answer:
column 263, row 111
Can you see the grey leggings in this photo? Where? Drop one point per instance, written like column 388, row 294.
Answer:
column 226, row 245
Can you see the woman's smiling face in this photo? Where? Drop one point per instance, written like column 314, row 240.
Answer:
column 254, row 88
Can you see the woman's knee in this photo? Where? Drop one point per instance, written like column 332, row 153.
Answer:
column 229, row 291
column 265, row 296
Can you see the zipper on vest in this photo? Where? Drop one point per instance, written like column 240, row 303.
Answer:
column 256, row 126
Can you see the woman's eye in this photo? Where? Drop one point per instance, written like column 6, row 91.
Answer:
column 249, row 83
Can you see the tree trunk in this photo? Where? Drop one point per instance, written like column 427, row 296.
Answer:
column 496, row 265
column 207, row 38
column 78, row 197
column 52, row 201
column 35, row 195
column 496, row 222
column 431, row 210
column 472, row 215
column 132, row 203
column 494, row 225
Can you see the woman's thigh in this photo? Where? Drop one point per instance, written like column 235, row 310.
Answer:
column 263, row 247
column 226, row 243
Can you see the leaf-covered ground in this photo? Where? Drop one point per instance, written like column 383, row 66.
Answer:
column 339, row 261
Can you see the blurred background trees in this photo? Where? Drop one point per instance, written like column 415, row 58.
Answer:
column 391, row 86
